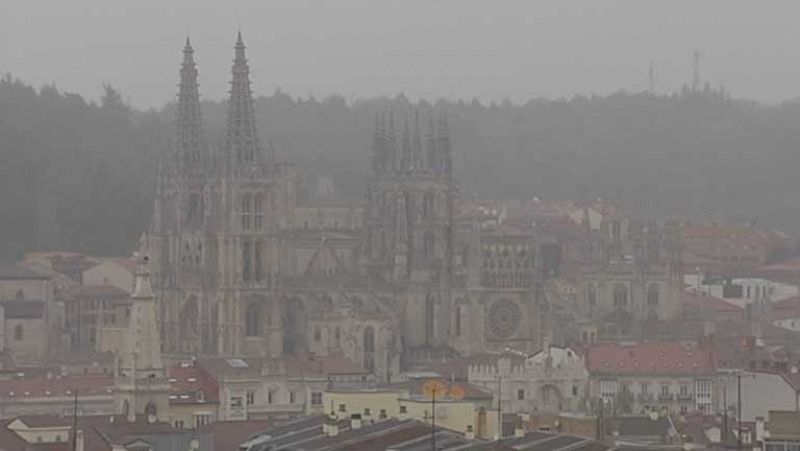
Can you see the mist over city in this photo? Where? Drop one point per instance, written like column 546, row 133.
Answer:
column 337, row 225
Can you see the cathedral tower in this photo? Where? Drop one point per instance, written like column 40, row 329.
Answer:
column 410, row 214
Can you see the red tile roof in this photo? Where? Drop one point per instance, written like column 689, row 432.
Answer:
column 190, row 384
column 649, row 358
column 55, row 386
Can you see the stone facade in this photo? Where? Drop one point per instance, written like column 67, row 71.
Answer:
column 240, row 269
column 551, row 381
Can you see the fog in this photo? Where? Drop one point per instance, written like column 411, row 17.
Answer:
column 431, row 49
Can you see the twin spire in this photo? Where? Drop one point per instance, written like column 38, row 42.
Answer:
column 241, row 144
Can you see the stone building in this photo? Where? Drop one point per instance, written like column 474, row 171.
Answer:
column 630, row 272
column 551, row 381
column 242, row 269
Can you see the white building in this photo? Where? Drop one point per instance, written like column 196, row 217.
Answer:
column 552, row 380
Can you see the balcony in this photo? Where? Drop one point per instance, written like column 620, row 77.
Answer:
column 665, row 397
column 685, row 397
column 645, row 397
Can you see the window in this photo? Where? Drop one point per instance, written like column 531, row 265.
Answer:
column 257, row 264
column 684, row 409
column 18, row 332
column 271, row 396
column 236, row 401
column 251, row 398
column 574, row 390
column 317, row 334
column 202, row 419
column 458, row 321
column 20, row 295
column 403, row 409
column 665, row 390
column 702, row 395
column 591, row 295
column 247, row 211
column 258, row 213
column 427, row 246
column 252, row 319
column 684, row 390
column 608, row 388
column 342, row 408
column 645, row 387
column 521, row 394
column 178, row 424
column 292, row 397
column 58, row 437
column 652, row 295
column 201, row 397
column 316, row 398
column 620, row 296
column 247, row 269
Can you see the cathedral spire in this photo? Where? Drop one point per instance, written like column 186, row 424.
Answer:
column 242, row 141
column 188, row 111
column 378, row 147
column 444, row 157
column 405, row 158
column 390, row 145
column 416, row 146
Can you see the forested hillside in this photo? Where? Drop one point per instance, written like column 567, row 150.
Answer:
column 79, row 176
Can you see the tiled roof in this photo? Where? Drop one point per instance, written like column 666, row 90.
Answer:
column 55, row 386
column 188, row 381
column 649, row 358
column 95, row 291
column 23, row 309
column 699, row 300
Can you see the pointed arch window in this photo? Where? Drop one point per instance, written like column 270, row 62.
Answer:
column 247, row 211
column 620, row 296
column 252, row 319
column 652, row 295
column 427, row 246
column 369, row 349
column 258, row 269
column 258, row 211
column 247, row 260
column 591, row 295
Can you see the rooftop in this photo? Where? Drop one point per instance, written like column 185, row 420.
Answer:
column 649, row 358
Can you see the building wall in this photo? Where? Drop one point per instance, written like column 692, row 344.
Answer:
column 109, row 273
column 663, row 393
column 29, row 289
column 454, row 415
column 761, row 392
column 34, row 340
column 346, row 403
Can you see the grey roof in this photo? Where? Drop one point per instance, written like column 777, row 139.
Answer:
column 23, row 309
column 13, row 271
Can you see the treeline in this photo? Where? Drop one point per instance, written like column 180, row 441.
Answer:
column 79, row 176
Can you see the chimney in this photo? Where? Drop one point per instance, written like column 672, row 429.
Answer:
column 355, row 421
column 470, row 434
column 653, row 415
column 79, row 440
column 331, row 426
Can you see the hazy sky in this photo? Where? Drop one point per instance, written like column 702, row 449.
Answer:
column 488, row 49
